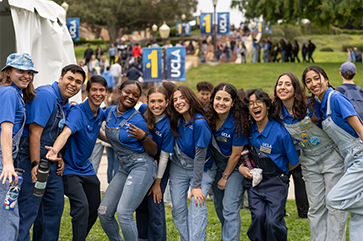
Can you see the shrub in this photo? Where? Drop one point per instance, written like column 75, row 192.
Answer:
column 326, row 49
column 351, row 46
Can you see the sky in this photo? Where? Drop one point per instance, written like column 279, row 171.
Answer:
column 206, row 6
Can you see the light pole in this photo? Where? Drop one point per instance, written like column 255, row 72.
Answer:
column 215, row 30
column 183, row 18
column 154, row 28
column 164, row 31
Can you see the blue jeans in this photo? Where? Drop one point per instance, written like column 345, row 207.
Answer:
column 96, row 156
column 192, row 223
column 227, row 204
column 112, row 163
column 124, row 194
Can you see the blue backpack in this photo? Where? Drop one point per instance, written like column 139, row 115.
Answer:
column 355, row 95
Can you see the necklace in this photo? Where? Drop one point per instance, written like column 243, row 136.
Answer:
column 119, row 112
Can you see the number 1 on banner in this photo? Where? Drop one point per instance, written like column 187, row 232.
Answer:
column 259, row 28
column 179, row 29
column 154, row 63
column 207, row 23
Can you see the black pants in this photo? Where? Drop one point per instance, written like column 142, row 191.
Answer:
column 84, row 197
column 301, row 198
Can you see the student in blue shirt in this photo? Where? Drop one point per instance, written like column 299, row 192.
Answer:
column 127, row 132
column 46, row 115
column 343, row 126
column 273, row 151
column 191, row 164
column 228, row 120
column 16, row 87
column 150, row 215
column 321, row 163
column 81, row 184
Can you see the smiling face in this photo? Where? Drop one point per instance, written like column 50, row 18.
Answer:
column 70, row 84
column 258, row 110
column 129, row 96
column 316, row 83
column 181, row 104
column 157, row 103
column 222, row 102
column 96, row 94
column 204, row 96
column 21, row 78
column 284, row 88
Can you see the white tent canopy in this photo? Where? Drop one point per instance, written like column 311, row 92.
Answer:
column 41, row 31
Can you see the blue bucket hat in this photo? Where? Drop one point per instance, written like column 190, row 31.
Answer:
column 20, row 61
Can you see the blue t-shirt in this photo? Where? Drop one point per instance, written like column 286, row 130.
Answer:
column 162, row 136
column 109, row 78
column 276, row 138
column 290, row 120
column 12, row 109
column 40, row 109
column 341, row 108
column 136, row 120
column 196, row 134
column 226, row 137
column 133, row 74
column 85, row 128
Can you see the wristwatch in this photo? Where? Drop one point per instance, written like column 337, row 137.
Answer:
column 34, row 163
column 143, row 139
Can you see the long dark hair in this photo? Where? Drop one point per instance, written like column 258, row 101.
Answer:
column 195, row 107
column 149, row 116
column 261, row 95
column 319, row 71
column 300, row 105
column 28, row 92
column 237, row 110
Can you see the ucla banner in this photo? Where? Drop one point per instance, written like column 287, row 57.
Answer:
column 223, row 24
column 183, row 28
column 73, row 28
column 197, row 20
column 175, row 63
column 151, row 63
column 206, row 24
column 259, row 27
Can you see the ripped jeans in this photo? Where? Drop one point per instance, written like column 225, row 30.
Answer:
column 124, row 194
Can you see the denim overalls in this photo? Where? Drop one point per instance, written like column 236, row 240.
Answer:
column 270, row 194
column 128, row 187
column 9, row 227
column 347, row 194
column 227, row 202
column 322, row 167
column 46, row 211
column 192, row 223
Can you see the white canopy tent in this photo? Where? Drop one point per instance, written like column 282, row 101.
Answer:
column 41, row 31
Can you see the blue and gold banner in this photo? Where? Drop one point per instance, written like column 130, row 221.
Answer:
column 206, row 24
column 73, row 28
column 223, row 23
column 183, row 28
column 178, row 29
column 151, row 63
column 197, row 20
column 259, row 27
column 175, row 63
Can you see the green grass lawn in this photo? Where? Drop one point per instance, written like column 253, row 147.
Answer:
column 298, row 229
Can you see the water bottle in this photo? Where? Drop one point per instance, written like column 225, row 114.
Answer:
column 42, row 176
column 13, row 191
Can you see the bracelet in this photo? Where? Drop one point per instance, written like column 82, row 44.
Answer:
column 225, row 176
column 143, row 139
column 34, row 163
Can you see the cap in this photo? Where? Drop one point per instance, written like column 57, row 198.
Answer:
column 20, row 61
column 347, row 66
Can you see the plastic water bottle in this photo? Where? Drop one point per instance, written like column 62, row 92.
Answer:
column 42, row 176
column 13, row 191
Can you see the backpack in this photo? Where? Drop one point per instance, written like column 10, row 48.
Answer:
column 355, row 95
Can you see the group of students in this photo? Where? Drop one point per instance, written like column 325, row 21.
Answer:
column 203, row 141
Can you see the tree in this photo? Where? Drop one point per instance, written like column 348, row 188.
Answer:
column 320, row 12
column 128, row 14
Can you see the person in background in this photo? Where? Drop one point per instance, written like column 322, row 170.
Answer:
column 244, row 53
column 136, row 53
column 99, row 53
column 204, row 90
column 116, row 71
column 16, row 89
column 93, row 66
column 283, row 50
column 295, row 51
column 110, row 82
column 310, row 50
column 304, row 51
column 133, row 73
column 88, row 54
column 112, row 51
column 76, row 142
column 104, row 64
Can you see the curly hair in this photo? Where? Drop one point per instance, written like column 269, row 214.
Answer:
column 237, row 110
column 192, row 100
column 149, row 116
column 320, row 72
column 261, row 95
column 299, row 108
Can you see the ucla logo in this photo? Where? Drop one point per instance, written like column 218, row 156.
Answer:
column 158, row 133
column 267, row 145
column 226, row 135
column 175, row 64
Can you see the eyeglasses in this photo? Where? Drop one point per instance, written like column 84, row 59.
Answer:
column 251, row 104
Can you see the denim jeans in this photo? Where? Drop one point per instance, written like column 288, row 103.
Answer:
column 112, row 163
column 96, row 156
column 227, row 204
column 192, row 223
